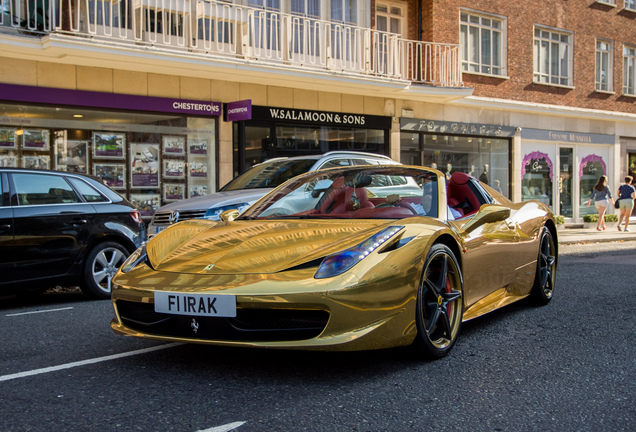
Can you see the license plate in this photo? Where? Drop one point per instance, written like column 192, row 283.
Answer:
column 195, row 304
column 158, row 229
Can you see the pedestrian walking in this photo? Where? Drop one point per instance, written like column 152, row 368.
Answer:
column 626, row 196
column 601, row 197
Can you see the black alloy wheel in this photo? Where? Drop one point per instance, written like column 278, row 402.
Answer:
column 440, row 305
column 545, row 276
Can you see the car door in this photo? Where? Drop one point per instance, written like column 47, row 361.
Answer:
column 6, row 231
column 52, row 225
column 491, row 250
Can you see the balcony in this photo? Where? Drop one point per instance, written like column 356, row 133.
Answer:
column 210, row 33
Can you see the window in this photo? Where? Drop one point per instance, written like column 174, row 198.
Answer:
column 482, row 38
column 552, row 57
column 35, row 189
column 307, row 8
column 604, row 66
column 630, row 5
column 87, row 191
column 390, row 18
column 344, row 11
column 629, row 70
column 607, row 2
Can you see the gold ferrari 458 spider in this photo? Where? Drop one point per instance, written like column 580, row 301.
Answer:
column 351, row 258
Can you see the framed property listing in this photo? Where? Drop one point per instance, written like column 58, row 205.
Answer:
column 173, row 145
column 145, row 165
column 173, row 192
column 36, row 162
column 173, row 169
column 35, row 139
column 109, row 145
column 71, row 156
column 7, row 138
column 113, row 175
column 8, row 161
column 147, row 203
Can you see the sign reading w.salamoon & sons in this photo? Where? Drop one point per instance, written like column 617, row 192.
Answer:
column 324, row 118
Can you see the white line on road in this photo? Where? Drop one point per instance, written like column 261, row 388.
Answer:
column 224, row 428
column 85, row 362
column 39, row 311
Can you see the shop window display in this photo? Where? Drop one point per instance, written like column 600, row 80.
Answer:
column 592, row 167
column 485, row 158
column 151, row 159
column 537, row 175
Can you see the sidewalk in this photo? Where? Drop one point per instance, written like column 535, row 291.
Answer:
column 591, row 235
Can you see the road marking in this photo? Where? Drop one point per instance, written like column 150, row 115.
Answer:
column 224, row 428
column 85, row 362
column 39, row 311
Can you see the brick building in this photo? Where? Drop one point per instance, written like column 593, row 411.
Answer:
column 561, row 73
column 538, row 98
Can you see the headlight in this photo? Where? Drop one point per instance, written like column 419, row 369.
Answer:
column 215, row 213
column 134, row 259
column 340, row 262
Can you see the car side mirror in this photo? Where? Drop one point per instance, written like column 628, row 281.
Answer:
column 229, row 215
column 488, row 213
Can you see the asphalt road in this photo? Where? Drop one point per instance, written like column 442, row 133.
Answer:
column 569, row 366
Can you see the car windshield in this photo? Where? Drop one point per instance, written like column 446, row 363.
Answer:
column 270, row 174
column 359, row 193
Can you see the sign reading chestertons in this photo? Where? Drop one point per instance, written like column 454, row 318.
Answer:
column 320, row 118
column 55, row 96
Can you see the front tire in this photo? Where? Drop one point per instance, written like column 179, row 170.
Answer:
column 100, row 267
column 545, row 275
column 440, row 305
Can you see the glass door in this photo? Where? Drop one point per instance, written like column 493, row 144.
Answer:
column 566, row 179
column 631, row 169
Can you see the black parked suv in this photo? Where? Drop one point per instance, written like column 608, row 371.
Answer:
column 59, row 228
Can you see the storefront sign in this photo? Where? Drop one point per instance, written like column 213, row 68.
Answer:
column 592, row 165
column 456, row 128
column 567, row 137
column 81, row 98
column 536, row 162
column 320, row 118
column 238, row 111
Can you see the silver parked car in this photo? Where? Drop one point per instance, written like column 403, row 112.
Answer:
column 248, row 187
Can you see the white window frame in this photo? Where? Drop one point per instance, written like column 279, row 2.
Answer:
column 552, row 73
column 475, row 59
column 391, row 13
column 629, row 70
column 611, row 3
column 604, row 66
column 630, row 5
column 353, row 7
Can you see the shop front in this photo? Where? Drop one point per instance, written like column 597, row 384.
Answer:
column 285, row 132
column 480, row 150
column 561, row 169
column 151, row 150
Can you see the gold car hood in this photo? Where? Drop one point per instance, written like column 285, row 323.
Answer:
column 240, row 247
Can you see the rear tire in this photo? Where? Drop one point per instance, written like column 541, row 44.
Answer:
column 545, row 275
column 100, row 267
column 440, row 304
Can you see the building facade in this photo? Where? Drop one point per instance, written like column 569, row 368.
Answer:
column 561, row 74
column 137, row 91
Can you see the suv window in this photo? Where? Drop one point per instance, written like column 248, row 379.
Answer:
column 366, row 162
column 88, row 192
column 335, row 163
column 269, row 174
column 37, row 189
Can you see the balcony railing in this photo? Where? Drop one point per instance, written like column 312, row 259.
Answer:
column 217, row 29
